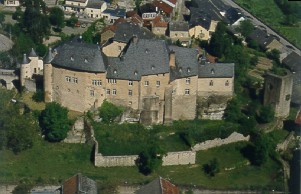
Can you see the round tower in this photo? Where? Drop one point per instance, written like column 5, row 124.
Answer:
column 25, row 70
column 47, row 71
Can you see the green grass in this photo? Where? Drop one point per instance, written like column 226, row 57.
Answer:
column 270, row 14
column 126, row 139
column 54, row 162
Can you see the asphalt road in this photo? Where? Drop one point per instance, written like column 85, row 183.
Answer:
column 258, row 23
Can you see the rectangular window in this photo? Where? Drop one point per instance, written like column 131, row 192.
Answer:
column 92, row 93
column 130, row 83
column 75, row 80
column 187, row 91
column 158, row 83
column 96, row 82
column 188, row 80
column 130, row 92
column 108, row 91
column 68, row 79
column 227, row 83
column 211, row 83
column 112, row 81
column 114, row 91
column 146, row 83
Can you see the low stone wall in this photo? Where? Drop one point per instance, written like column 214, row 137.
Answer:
column 234, row 137
column 172, row 158
column 179, row 158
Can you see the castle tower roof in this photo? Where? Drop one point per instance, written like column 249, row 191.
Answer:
column 32, row 53
column 49, row 56
column 25, row 60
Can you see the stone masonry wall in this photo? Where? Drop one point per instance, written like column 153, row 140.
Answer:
column 234, row 137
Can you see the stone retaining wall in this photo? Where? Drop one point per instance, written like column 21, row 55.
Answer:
column 234, row 137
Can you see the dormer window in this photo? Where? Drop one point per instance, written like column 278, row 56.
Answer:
column 124, row 35
column 115, row 71
column 146, row 51
column 180, row 69
column 188, row 70
column 86, row 60
column 212, row 71
column 135, row 72
column 153, row 67
column 71, row 58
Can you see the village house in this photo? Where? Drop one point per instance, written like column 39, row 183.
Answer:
column 159, row 26
column 11, row 3
column 95, row 8
column 159, row 186
column 123, row 33
column 179, row 31
column 161, row 82
column 79, row 184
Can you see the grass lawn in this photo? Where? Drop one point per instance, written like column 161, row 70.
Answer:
column 52, row 163
column 126, row 139
column 270, row 13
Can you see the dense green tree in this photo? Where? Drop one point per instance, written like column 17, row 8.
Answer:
column 2, row 17
column 274, row 55
column 22, row 45
column 22, row 188
column 109, row 112
column 72, row 20
column 38, row 96
column 35, row 21
column 212, row 168
column 266, row 114
column 55, row 122
column 260, row 151
column 246, row 28
column 233, row 112
column 150, row 159
column 56, row 17
column 220, row 40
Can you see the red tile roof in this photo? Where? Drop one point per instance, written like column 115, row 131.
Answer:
column 163, row 6
column 136, row 19
column 157, row 22
column 168, row 188
column 70, row 185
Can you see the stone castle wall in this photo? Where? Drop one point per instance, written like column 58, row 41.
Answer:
column 234, row 137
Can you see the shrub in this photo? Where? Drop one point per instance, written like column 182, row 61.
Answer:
column 55, row 122
column 38, row 96
column 212, row 168
column 266, row 114
column 150, row 159
column 109, row 112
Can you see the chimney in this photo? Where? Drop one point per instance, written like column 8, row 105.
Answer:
column 172, row 59
column 135, row 39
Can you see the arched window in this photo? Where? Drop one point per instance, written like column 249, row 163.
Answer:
column 227, row 83
column 211, row 83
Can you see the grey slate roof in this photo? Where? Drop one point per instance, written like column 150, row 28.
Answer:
column 25, row 59
column 143, row 57
column 96, row 4
column 293, row 61
column 233, row 15
column 178, row 26
column 261, row 37
column 153, row 187
column 32, row 53
column 115, row 12
column 202, row 12
column 186, row 62
column 215, row 70
column 79, row 56
column 49, row 57
column 125, row 31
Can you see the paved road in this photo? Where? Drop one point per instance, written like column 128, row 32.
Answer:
column 256, row 22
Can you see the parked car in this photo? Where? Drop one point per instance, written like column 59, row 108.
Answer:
column 77, row 24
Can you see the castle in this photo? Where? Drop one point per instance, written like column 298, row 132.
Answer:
column 162, row 82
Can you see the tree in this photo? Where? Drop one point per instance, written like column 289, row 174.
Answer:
column 56, row 17
column 22, row 188
column 266, row 114
column 55, row 122
column 22, row 45
column 35, row 21
column 212, row 168
column 260, row 150
column 72, row 20
column 150, row 159
column 274, row 55
column 2, row 17
column 109, row 112
column 18, row 14
column 232, row 112
column 246, row 28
